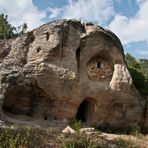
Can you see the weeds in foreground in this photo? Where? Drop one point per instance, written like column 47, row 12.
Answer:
column 121, row 143
column 38, row 138
column 80, row 141
column 75, row 124
column 85, row 141
column 20, row 138
column 128, row 131
column 136, row 133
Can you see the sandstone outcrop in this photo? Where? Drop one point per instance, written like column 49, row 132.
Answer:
column 64, row 70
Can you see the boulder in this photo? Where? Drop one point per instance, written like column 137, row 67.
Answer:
column 65, row 70
column 68, row 129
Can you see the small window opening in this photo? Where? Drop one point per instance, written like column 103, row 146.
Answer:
column 28, row 114
column 45, row 117
column 100, row 65
column 38, row 49
column 47, row 36
column 78, row 57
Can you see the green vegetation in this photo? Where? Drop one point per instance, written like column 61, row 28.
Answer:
column 121, row 143
column 114, row 130
column 79, row 141
column 139, row 71
column 8, row 31
column 84, row 141
column 41, row 138
column 20, row 138
column 75, row 124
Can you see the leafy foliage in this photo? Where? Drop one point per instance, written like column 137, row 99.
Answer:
column 81, row 141
column 139, row 72
column 22, row 28
column 75, row 124
column 8, row 31
column 121, row 143
column 20, row 138
column 117, row 130
column 132, row 62
column 41, row 138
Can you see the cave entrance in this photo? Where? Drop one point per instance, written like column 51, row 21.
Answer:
column 86, row 110
column 19, row 100
column 27, row 102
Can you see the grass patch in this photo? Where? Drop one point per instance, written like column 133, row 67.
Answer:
column 39, row 138
column 23, row 137
column 80, row 141
column 91, row 141
column 113, row 130
column 121, row 143
column 75, row 124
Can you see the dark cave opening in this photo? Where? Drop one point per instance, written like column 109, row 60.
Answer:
column 47, row 36
column 27, row 102
column 45, row 117
column 78, row 58
column 19, row 100
column 85, row 110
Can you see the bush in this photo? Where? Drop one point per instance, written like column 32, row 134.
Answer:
column 139, row 72
column 6, row 29
column 108, row 129
column 121, row 143
column 128, row 131
column 20, row 138
column 80, row 141
column 136, row 133
column 139, row 80
column 75, row 124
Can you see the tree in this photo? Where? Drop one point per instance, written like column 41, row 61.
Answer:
column 22, row 29
column 6, row 29
column 144, row 66
column 132, row 62
column 139, row 72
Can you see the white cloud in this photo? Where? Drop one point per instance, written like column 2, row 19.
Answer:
column 20, row 11
column 133, row 29
column 96, row 11
column 143, row 52
column 55, row 12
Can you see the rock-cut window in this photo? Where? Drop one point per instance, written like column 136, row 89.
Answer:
column 100, row 65
column 47, row 36
column 99, row 69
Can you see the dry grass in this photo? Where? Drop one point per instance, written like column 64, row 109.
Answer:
column 39, row 138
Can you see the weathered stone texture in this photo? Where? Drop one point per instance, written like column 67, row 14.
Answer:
column 64, row 70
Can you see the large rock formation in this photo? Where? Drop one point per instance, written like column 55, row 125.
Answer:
column 65, row 70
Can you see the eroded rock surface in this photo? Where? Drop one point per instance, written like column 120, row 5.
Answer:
column 65, row 70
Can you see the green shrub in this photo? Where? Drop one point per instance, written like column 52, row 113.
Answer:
column 75, row 124
column 139, row 72
column 136, row 133
column 80, row 141
column 122, row 143
column 129, row 131
column 20, row 138
column 139, row 80
column 108, row 129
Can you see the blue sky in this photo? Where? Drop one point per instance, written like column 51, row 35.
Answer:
column 126, row 18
